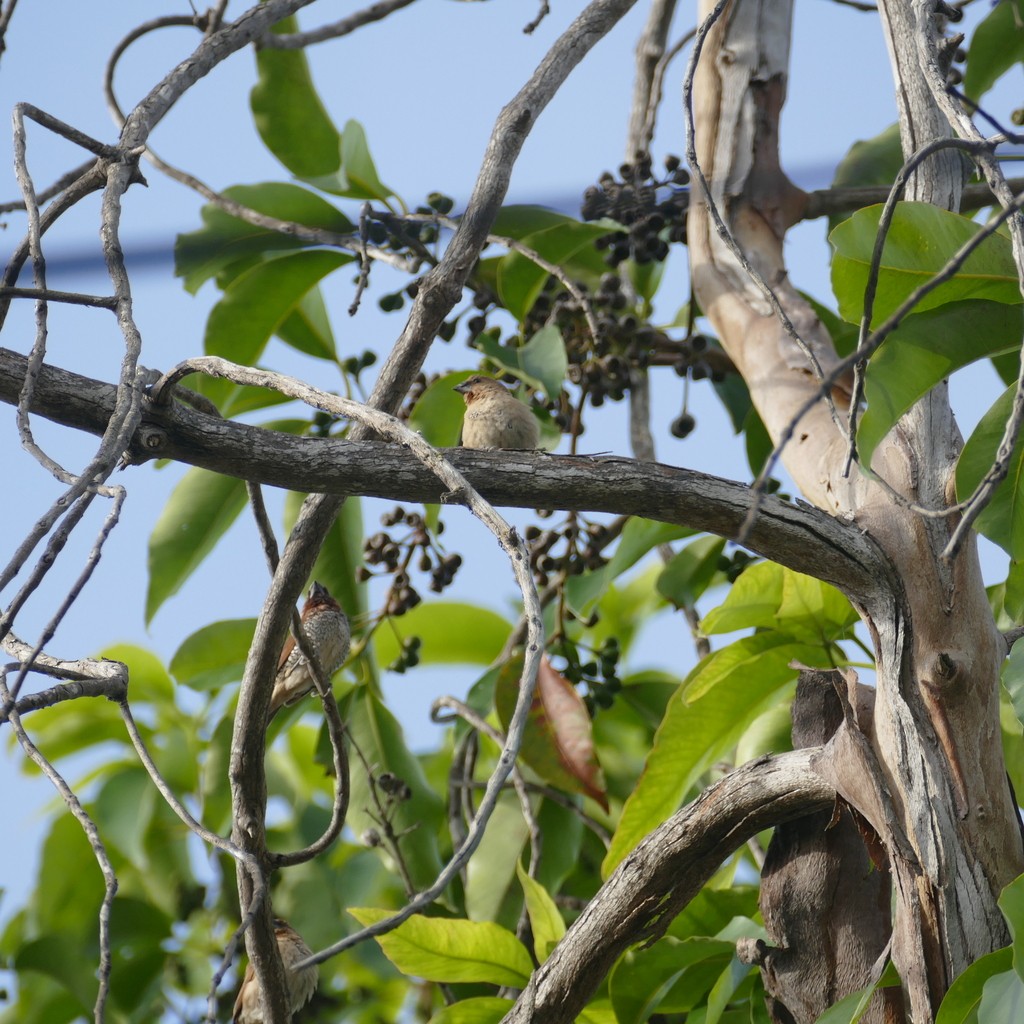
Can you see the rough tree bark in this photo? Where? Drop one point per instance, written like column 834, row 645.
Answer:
column 937, row 793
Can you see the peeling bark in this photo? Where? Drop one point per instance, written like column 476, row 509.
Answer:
column 952, row 833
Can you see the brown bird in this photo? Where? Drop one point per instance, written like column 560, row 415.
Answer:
column 327, row 628
column 495, row 418
column 301, row 984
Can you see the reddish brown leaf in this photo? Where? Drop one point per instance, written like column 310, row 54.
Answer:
column 558, row 744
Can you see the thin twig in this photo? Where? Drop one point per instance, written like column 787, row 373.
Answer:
column 300, row 40
column 461, row 491
column 73, row 804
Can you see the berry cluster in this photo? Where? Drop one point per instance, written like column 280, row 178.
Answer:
column 396, row 557
column 651, row 209
column 600, row 674
column 569, row 549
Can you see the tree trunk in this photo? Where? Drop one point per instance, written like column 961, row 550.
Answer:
column 928, row 772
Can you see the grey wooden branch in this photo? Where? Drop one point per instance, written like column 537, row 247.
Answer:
column 665, row 871
column 800, row 537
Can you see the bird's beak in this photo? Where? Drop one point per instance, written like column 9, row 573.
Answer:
column 318, row 591
column 461, row 388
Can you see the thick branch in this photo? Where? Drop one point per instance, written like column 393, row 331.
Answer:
column 796, row 536
column 665, row 871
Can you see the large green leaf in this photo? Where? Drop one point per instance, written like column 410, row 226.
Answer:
column 960, row 1004
column 308, row 329
column 452, row 634
column 478, row 1010
column 123, row 810
column 1011, row 903
column 288, row 112
column 996, row 46
column 691, row 571
column 541, row 362
column 1013, row 679
column 642, row 980
column 493, row 866
column 438, row 412
column 569, row 244
column 639, row 536
column 734, row 685
column 874, row 161
column 255, row 304
column 920, row 241
column 768, row 596
column 214, row 655
column 340, row 554
column 1002, row 999
column 225, row 241
column 926, row 349
column 452, row 951
column 382, row 744
column 357, row 176
column 197, row 514
column 1003, row 519
column 546, row 921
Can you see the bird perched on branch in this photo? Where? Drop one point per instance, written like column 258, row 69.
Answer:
column 494, row 417
column 326, row 626
column 301, row 984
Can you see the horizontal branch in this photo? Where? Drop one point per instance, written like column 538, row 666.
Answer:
column 803, row 538
column 665, row 871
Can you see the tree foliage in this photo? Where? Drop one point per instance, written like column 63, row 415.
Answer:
column 608, row 750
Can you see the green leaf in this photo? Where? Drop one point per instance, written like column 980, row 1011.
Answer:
column 357, row 177
column 920, row 241
column 874, row 161
column 340, row 554
column 288, row 112
column 452, row 951
column 541, row 362
column 214, row 655
column 691, row 571
column 724, row 988
column 255, row 304
column 416, row 820
column 1003, row 519
column 639, row 536
column 723, row 694
column 926, row 349
column 225, row 241
column 197, row 514
column 438, row 412
column 569, row 244
column 61, row 958
column 1002, row 999
column 452, row 634
column 768, row 596
column 996, row 46
column 479, row 1010
column 960, row 1004
column 1011, row 903
column 308, row 328
column 1013, row 679
column 646, row 981
column 148, row 679
column 124, row 810
column 545, row 918
column 492, row 867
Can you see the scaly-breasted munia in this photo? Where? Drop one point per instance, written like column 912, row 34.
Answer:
column 301, row 984
column 326, row 626
column 495, row 418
